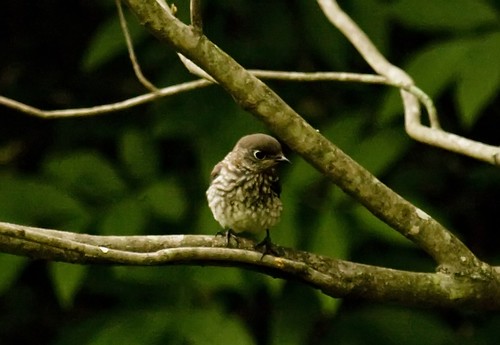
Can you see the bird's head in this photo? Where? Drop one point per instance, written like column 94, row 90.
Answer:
column 259, row 152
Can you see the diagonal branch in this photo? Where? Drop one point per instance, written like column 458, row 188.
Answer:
column 137, row 68
column 434, row 135
column 335, row 278
column 392, row 75
column 254, row 96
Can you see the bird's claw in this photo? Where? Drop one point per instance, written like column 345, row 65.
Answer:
column 228, row 234
column 266, row 246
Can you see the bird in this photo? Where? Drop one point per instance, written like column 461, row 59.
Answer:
column 244, row 193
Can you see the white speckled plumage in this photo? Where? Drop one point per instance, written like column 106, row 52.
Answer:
column 244, row 192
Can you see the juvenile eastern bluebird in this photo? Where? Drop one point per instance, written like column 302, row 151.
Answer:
column 245, row 189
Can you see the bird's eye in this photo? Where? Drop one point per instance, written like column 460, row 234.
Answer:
column 259, row 155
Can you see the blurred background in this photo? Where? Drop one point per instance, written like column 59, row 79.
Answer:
column 145, row 170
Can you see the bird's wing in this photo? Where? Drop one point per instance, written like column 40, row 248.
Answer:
column 216, row 170
column 276, row 185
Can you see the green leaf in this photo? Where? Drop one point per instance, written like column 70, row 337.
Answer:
column 28, row 201
column 191, row 326
column 139, row 154
column 206, row 222
column 323, row 38
column 109, row 42
column 10, row 268
column 285, row 232
column 278, row 51
column 376, row 153
column 86, row 174
column 166, row 200
column 151, row 275
column 300, row 177
column 211, row 279
column 329, row 305
column 432, row 15
column 345, row 131
column 401, row 326
column 434, row 68
column 67, row 279
column 371, row 16
column 293, row 322
column 376, row 228
column 126, row 217
column 331, row 238
column 130, row 327
column 480, row 78
column 206, row 327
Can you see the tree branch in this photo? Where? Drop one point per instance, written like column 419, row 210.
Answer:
column 208, row 80
column 336, row 278
column 107, row 108
column 462, row 279
column 434, row 136
column 137, row 68
column 394, row 76
column 254, row 96
column 196, row 17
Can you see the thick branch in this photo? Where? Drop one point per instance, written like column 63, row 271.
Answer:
column 335, row 278
column 261, row 101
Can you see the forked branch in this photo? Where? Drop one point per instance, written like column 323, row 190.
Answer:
column 253, row 95
column 434, row 135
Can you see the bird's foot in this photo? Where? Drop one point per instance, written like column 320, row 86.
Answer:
column 228, row 234
column 266, row 246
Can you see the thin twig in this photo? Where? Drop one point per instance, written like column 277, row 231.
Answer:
column 434, row 135
column 175, row 89
column 366, row 48
column 137, row 68
column 349, row 77
column 107, row 108
column 196, row 17
column 274, row 75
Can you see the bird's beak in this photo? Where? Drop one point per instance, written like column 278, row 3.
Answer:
column 282, row 158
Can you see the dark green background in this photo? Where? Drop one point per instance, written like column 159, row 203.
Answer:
column 145, row 170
